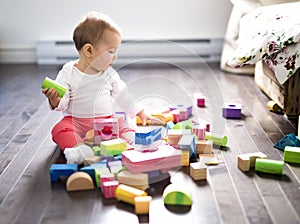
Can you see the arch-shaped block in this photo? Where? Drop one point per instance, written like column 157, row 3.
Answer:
column 177, row 195
column 79, row 181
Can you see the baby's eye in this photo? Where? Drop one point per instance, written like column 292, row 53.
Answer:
column 111, row 52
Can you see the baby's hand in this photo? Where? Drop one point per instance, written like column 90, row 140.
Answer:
column 52, row 96
column 144, row 117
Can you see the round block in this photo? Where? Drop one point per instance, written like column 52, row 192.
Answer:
column 269, row 166
column 177, row 195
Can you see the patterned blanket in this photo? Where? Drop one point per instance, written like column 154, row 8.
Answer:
column 272, row 34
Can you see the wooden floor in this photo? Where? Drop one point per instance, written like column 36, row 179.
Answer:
column 228, row 195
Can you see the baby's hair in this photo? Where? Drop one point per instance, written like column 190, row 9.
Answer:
column 91, row 27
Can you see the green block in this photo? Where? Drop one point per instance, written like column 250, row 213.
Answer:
column 217, row 139
column 97, row 150
column 187, row 124
column 291, row 154
column 49, row 83
column 177, row 195
column 113, row 147
column 269, row 166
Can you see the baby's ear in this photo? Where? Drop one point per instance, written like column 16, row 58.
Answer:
column 88, row 49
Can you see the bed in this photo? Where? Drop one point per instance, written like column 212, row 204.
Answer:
column 269, row 38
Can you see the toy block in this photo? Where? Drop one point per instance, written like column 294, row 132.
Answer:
column 200, row 99
column 116, row 169
column 109, row 189
column 176, row 116
column 183, row 114
column 247, row 161
column 142, row 204
column 269, row 166
column 169, row 125
column 89, row 136
column 185, row 158
column 291, row 154
column 127, row 194
column 90, row 171
column 208, row 159
column 58, row 170
column 204, row 146
column 105, row 129
column 114, row 163
column 106, row 177
column 187, row 124
column 174, row 135
column 189, row 109
column 91, row 160
column 175, row 194
column 288, row 140
column 120, row 114
column 273, row 106
column 164, row 158
column 96, row 150
column 147, row 136
column 79, row 181
column 98, row 173
column 188, row 142
column 199, row 131
column 139, row 181
column 198, row 171
column 113, row 147
column 217, row 139
column 232, row 110
column 205, row 123
column 49, row 83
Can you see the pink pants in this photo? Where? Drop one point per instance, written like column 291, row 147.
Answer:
column 71, row 130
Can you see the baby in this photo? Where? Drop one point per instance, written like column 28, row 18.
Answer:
column 93, row 85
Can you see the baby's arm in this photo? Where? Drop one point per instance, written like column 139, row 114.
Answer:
column 52, row 96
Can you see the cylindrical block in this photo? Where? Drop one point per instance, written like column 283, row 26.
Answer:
column 269, row 166
column 127, row 194
column 217, row 139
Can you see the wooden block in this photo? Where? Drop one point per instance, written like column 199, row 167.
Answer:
column 89, row 136
column 79, row 181
column 106, row 177
column 198, row 171
column 174, row 135
column 217, row 139
column 269, row 166
column 247, row 161
column 291, row 154
column 232, row 110
column 113, row 147
column 142, row 204
column 58, row 170
column 199, row 131
column 109, row 188
column 164, row 158
column 127, row 194
column 175, row 194
column 49, row 83
column 188, row 142
column 139, row 180
column 91, row 160
column 147, row 136
column 105, row 129
column 208, row 159
column 185, row 158
column 204, row 146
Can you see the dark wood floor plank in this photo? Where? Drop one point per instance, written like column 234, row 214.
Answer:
column 23, row 157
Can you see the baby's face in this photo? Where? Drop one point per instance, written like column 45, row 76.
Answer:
column 106, row 52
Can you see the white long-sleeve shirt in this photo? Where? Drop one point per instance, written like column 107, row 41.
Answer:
column 93, row 95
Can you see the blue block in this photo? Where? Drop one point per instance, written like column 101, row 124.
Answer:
column 188, row 142
column 148, row 137
column 90, row 171
column 57, row 170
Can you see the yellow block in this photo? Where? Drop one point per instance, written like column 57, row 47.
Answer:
column 142, row 204
column 127, row 194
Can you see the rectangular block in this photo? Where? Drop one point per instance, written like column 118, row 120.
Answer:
column 127, row 194
column 109, row 189
column 247, row 161
column 198, row 171
column 113, row 147
column 142, row 204
column 204, row 146
column 188, row 142
column 147, row 136
column 232, row 110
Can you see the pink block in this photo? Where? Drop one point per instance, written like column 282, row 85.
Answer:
column 106, row 129
column 165, row 157
column 176, row 116
column 106, row 177
column 199, row 131
column 109, row 188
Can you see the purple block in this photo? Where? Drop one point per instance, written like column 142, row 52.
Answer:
column 232, row 110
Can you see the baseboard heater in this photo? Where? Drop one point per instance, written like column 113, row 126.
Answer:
column 139, row 51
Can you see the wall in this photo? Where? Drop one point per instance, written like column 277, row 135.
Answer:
column 22, row 23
